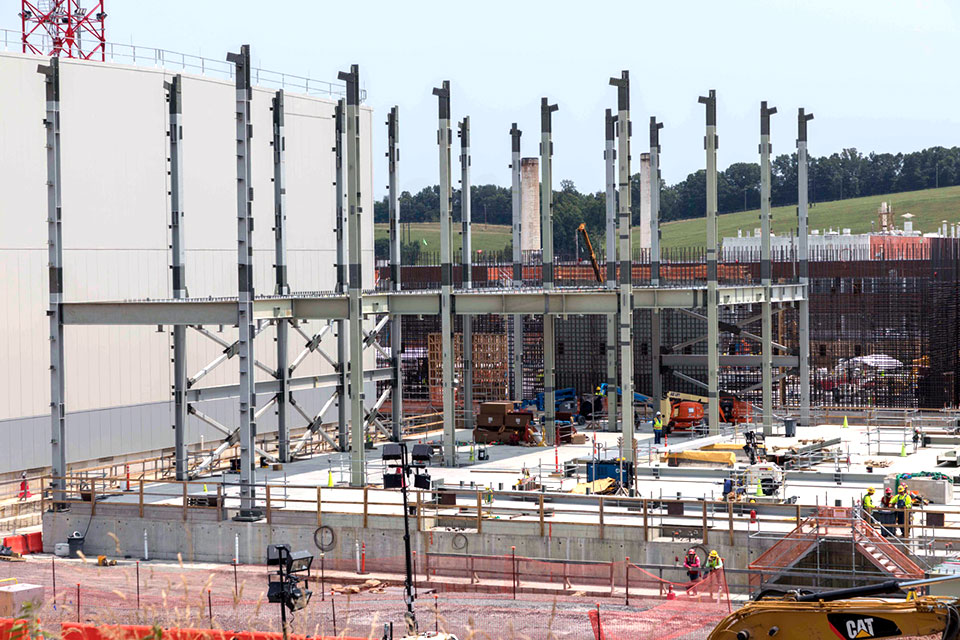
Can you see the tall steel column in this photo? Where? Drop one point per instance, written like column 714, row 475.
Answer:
column 803, row 257
column 393, row 200
column 51, row 123
column 343, row 433
column 626, row 262
column 358, row 474
column 713, row 309
column 178, row 272
column 610, row 161
column 245, row 291
column 446, row 275
column 655, row 320
column 466, row 255
column 546, row 244
column 766, row 312
column 515, row 200
column 282, row 286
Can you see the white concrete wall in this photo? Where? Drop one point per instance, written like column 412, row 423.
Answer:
column 530, row 204
column 116, row 237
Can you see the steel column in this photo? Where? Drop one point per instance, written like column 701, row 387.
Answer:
column 766, row 324
column 610, row 162
column 546, row 244
column 655, row 318
column 178, row 273
column 343, row 434
column 51, row 123
column 466, row 256
column 515, row 200
column 245, row 290
column 358, row 475
column 713, row 307
column 804, row 308
column 393, row 200
column 446, row 275
column 282, row 286
column 626, row 262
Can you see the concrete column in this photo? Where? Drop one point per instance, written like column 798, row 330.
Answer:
column 653, row 176
column 645, row 203
column 610, row 162
column 713, row 308
column 51, row 123
column 358, row 470
column 343, row 332
column 766, row 268
column 396, row 327
column 546, row 242
column 178, row 273
column 467, row 257
column 245, row 290
column 446, row 275
column 803, row 256
column 517, row 319
column 530, row 205
column 282, row 287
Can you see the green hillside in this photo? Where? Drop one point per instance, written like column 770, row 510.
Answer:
column 930, row 207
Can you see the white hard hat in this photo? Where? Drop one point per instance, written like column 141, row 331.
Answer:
column 658, row 413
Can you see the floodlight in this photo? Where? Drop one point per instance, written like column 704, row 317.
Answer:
column 421, row 481
column 299, row 561
column 276, row 553
column 393, row 451
column 422, row 453
column 298, row 598
column 392, row 480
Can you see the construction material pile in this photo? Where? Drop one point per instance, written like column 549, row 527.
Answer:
column 499, row 423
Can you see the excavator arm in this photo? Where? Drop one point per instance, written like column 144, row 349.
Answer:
column 582, row 230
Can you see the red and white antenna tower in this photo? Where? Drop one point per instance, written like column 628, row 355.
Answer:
column 64, row 28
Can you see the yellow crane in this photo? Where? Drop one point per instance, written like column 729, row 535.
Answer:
column 582, row 230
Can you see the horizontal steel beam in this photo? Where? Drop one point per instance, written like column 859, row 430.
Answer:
column 268, row 387
column 700, row 360
column 587, row 301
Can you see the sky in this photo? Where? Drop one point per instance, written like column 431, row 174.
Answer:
column 879, row 75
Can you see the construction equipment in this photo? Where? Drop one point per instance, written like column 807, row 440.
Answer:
column 582, row 230
column 763, row 481
column 638, row 398
column 849, row 614
column 686, row 410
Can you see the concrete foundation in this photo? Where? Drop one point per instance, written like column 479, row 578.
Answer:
column 14, row 597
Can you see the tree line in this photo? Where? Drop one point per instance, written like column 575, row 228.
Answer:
column 848, row 174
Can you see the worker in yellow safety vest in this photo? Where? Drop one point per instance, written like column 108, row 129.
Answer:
column 867, row 501
column 657, row 428
column 902, row 502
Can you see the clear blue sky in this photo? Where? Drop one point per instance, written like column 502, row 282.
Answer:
column 878, row 74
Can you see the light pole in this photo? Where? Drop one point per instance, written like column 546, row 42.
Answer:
column 286, row 591
column 395, row 454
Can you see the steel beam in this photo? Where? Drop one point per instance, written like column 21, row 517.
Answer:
column 701, row 360
column 515, row 200
column 610, row 162
column 245, row 290
column 270, row 387
column 713, row 302
column 655, row 320
column 51, row 124
column 466, row 255
column 446, row 274
column 282, row 287
column 396, row 345
column 626, row 262
column 803, row 257
column 358, row 472
column 766, row 267
column 546, row 245
column 343, row 434
column 178, row 273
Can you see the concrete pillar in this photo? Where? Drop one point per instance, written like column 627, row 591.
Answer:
column 803, row 256
column 343, row 433
column 645, row 203
column 396, row 379
column 467, row 257
column 653, row 177
column 517, row 319
column 766, row 268
column 610, row 160
column 713, row 308
column 530, row 204
column 280, row 266
column 446, row 274
column 546, row 242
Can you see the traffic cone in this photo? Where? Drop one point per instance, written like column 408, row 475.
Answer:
column 759, row 488
column 329, row 477
column 903, row 451
column 845, row 425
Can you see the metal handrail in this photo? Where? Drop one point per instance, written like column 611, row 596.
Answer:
column 164, row 58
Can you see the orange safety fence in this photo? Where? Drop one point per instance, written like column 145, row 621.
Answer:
column 19, row 630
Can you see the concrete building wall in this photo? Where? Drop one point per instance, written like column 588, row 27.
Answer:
column 646, row 203
column 530, row 204
column 116, row 237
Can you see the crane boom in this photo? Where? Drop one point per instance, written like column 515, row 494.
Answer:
column 582, row 230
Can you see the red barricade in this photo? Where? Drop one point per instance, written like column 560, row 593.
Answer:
column 34, row 542
column 17, row 543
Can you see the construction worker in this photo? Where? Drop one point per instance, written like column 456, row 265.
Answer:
column 867, row 501
column 887, row 500
column 902, row 503
column 24, row 487
column 657, row 428
column 692, row 564
column 714, row 562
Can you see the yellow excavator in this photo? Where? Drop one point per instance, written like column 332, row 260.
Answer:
column 848, row 614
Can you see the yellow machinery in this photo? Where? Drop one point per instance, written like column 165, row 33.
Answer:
column 845, row 613
column 582, row 230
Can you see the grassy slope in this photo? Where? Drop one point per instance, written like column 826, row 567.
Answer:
column 929, row 206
